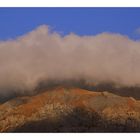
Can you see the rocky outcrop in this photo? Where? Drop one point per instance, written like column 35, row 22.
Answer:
column 70, row 110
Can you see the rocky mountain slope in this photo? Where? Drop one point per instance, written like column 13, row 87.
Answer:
column 70, row 110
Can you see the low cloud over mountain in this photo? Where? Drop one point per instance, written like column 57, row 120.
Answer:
column 43, row 54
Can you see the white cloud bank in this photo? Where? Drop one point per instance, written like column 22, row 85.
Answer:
column 42, row 54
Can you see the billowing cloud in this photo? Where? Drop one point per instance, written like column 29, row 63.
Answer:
column 43, row 54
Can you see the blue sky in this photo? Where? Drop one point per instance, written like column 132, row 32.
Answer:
column 82, row 21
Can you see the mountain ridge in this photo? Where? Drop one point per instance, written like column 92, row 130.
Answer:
column 57, row 104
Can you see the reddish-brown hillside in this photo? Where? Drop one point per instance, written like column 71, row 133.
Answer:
column 60, row 102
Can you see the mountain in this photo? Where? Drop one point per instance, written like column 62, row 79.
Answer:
column 64, row 109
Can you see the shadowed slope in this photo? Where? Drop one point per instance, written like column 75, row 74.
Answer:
column 46, row 85
column 70, row 109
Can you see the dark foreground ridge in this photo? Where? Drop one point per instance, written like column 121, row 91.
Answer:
column 80, row 120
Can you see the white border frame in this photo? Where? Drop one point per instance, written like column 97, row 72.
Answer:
column 69, row 3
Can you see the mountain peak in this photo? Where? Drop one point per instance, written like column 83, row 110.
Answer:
column 62, row 102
